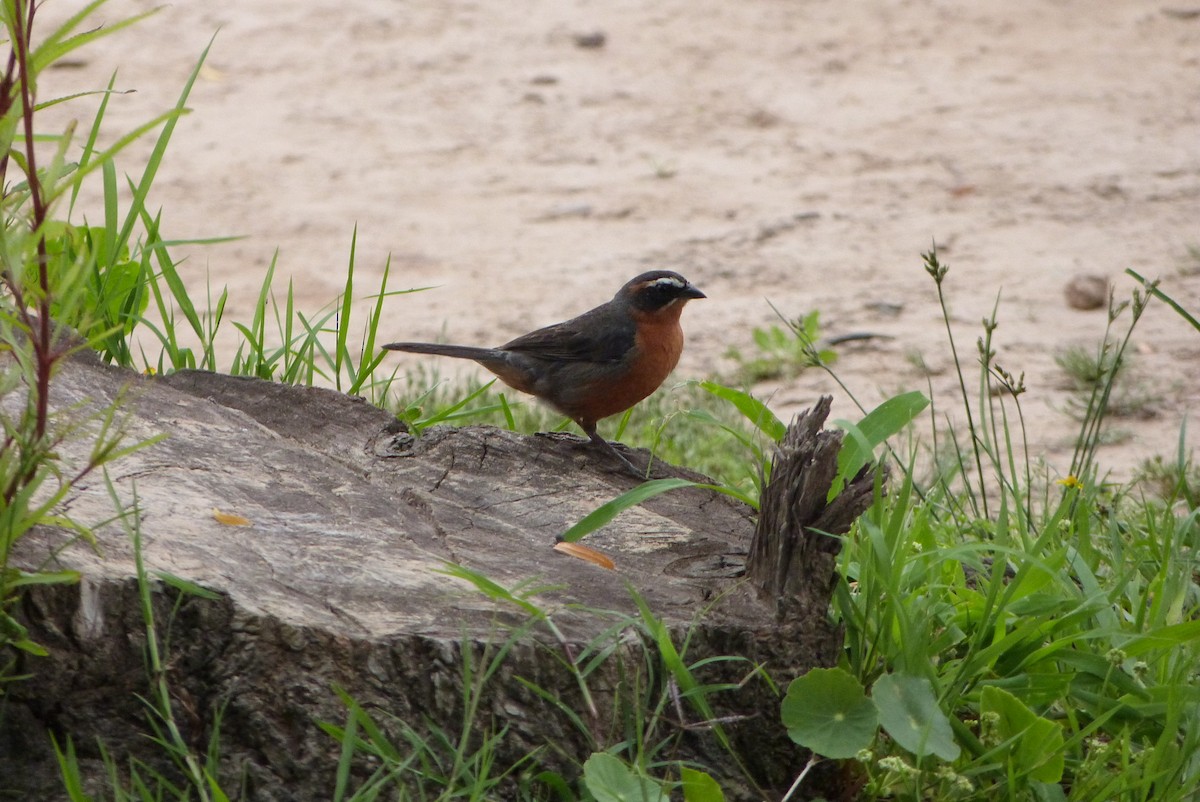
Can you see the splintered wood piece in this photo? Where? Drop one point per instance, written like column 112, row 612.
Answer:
column 793, row 549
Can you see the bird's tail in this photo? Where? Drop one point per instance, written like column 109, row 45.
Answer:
column 456, row 351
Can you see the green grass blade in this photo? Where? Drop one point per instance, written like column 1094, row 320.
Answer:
column 492, row 589
column 447, row 413
column 885, row 420
column 340, row 354
column 1160, row 295
column 605, row 513
column 60, row 42
column 372, row 359
column 754, row 410
column 89, row 146
column 348, row 737
column 174, row 281
column 142, row 188
column 69, row 771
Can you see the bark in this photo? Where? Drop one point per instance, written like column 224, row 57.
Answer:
column 796, row 540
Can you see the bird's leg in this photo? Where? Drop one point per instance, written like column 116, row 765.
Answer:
column 602, row 443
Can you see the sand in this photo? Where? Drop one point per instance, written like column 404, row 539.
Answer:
column 525, row 159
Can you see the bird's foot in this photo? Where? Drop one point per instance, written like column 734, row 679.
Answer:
column 603, row 444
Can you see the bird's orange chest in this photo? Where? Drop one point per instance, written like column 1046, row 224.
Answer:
column 659, row 344
column 656, row 349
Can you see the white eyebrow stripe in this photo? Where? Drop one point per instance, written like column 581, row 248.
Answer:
column 669, row 280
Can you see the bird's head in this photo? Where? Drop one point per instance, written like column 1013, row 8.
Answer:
column 658, row 290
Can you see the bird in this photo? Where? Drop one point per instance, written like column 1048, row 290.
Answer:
column 595, row 365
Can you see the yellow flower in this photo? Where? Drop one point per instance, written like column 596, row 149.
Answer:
column 1072, row 482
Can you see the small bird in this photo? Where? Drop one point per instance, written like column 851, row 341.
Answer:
column 595, row 365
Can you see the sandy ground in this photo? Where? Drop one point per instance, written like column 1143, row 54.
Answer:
column 803, row 151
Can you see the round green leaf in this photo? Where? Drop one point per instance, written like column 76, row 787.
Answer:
column 610, row 780
column 699, row 786
column 827, row 711
column 1033, row 745
column 908, row 711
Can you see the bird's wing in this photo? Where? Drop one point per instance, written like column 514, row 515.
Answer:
column 594, row 336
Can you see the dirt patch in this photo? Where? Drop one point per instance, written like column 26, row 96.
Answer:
column 801, row 152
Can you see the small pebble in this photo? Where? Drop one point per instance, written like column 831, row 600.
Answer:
column 590, row 40
column 1086, row 291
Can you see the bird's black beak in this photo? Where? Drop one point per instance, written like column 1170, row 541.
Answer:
column 691, row 292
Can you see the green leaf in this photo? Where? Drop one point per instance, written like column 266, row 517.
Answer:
column 68, row 767
column 672, row 660
column 610, row 780
column 170, row 119
column 22, row 578
column 908, row 711
column 699, row 786
column 13, row 632
column 348, row 738
column 1163, row 638
column 1034, row 745
column 448, row 413
column 880, row 423
column 492, row 589
column 605, row 513
column 754, row 410
column 343, row 322
column 556, row 784
column 31, row 647
column 1047, row 792
column 1153, row 289
column 827, row 711
column 60, row 42
column 187, row 586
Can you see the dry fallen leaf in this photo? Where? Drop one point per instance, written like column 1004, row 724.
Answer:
column 586, row 554
column 229, row 518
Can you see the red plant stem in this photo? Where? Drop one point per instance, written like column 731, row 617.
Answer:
column 6, row 83
column 42, row 345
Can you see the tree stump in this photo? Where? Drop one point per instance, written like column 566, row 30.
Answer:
column 336, row 583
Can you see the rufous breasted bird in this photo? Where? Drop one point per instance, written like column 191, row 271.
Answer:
column 595, row 365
